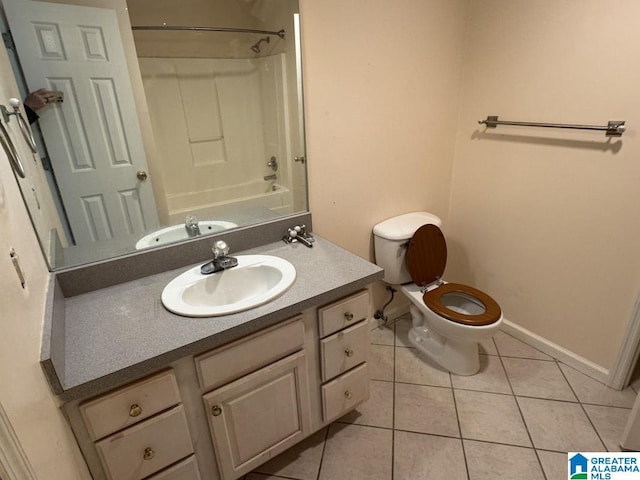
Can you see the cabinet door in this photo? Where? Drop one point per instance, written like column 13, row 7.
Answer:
column 260, row 415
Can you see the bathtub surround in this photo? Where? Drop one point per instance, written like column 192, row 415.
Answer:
column 216, row 156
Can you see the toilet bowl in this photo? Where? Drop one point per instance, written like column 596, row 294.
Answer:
column 449, row 319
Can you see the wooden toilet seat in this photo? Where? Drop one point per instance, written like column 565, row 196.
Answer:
column 426, row 260
column 491, row 314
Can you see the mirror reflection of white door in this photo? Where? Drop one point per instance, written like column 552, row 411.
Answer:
column 93, row 137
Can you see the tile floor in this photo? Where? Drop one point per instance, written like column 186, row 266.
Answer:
column 516, row 418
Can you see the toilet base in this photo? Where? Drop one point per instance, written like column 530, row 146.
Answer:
column 461, row 358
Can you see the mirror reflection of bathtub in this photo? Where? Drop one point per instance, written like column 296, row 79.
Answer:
column 251, row 198
column 213, row 109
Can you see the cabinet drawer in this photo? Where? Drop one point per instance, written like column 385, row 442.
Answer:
column 345, row 392
column 129, row 405
column 343, row 313
column 147, row 447
column 344, row 350
column 185, row 470
column 232, row 361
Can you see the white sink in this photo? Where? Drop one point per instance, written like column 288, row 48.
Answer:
column 256, row 280
column 176, row 233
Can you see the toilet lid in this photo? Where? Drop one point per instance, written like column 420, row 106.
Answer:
column 426, row 255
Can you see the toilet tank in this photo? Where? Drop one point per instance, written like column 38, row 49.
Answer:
column 390, row 243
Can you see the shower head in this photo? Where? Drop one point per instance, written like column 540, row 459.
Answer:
column 256, row 48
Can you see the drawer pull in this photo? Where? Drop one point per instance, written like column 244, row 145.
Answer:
column 216, row 410
column 348, row 352
column 135, row 410
column 348, row 395
column 348, row 316
column 149, row 453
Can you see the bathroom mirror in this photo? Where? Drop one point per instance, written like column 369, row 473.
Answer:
column 164, row 133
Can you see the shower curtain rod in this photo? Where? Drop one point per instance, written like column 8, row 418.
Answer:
column 613, row 128
column 279, row 33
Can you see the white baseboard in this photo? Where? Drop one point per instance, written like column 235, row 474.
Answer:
column 572, row 359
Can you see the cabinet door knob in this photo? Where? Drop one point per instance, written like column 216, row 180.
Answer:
column 348, row 352
column 348, row 395
column 135, row 410
column 149, row 453
column 216, row 410
column 348, row 316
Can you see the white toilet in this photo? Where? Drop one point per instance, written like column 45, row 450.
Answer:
column 449, row 319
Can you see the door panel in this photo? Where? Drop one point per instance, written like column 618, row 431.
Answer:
column 93, row 137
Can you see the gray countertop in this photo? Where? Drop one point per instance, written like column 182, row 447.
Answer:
column 119, row 333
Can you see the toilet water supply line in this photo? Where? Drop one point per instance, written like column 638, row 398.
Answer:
column 379, row 315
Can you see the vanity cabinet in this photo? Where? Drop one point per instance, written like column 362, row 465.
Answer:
column 220, row 414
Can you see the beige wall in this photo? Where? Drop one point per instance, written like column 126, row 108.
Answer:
column 381, row 91
column 25, row 394
column 546, row 221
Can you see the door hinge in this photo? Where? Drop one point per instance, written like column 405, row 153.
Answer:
column 8, row 41
column 46, row 164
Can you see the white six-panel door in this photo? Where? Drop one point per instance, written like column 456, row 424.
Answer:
column 93, row 137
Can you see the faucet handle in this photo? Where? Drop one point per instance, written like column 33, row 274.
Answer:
column 191, row 221
column 220, row 249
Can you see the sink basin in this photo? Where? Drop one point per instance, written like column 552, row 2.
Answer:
column 256, row 280
column 176, row 233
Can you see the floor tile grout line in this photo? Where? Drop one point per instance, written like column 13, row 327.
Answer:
column 404, row 430
column 324, row 447
column 425, row 385
column 524, row 421
column 461, row 437
column 464, row 451
column 559, row 362
column 584, row 410
column 549, row 360
column 269, row 475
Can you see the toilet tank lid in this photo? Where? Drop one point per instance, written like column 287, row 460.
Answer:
column 404, row 226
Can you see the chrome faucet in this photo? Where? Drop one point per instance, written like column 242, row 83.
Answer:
column 299, row 234
column 191, row 226
column 221, row 259
column 273, row 176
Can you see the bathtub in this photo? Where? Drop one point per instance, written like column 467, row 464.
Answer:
column 256, row 196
